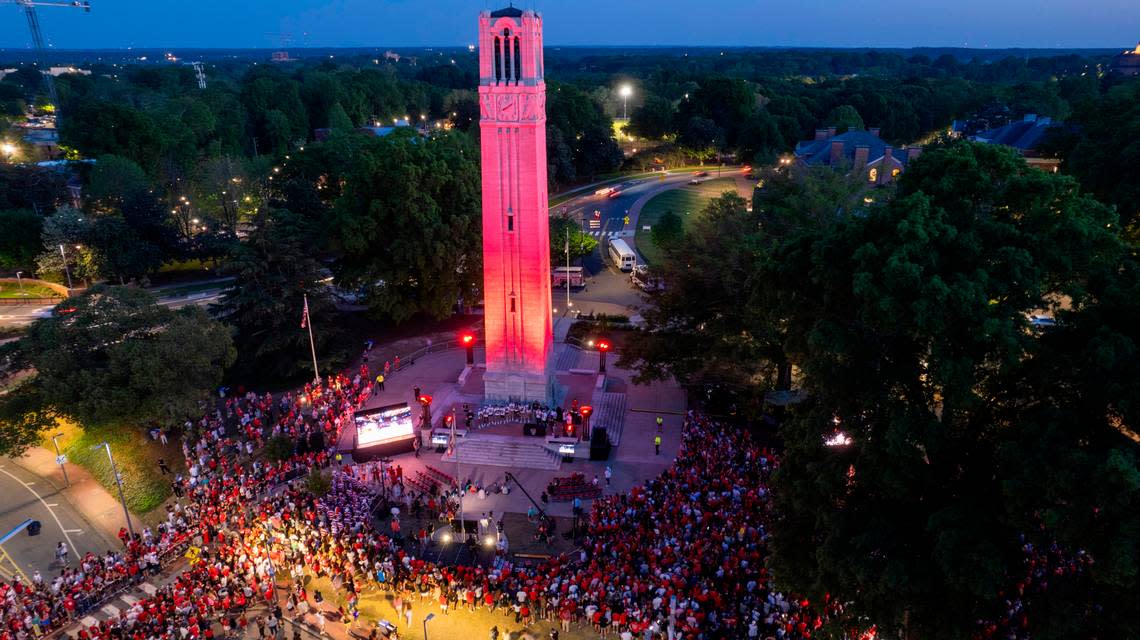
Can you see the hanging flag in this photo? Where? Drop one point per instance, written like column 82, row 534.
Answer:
column 305, row 314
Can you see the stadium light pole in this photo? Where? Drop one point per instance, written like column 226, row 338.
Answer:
column 626, row 91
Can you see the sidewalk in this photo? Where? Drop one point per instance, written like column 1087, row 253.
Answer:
column 86, row 496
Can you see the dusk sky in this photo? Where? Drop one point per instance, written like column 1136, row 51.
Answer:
column 385, row 23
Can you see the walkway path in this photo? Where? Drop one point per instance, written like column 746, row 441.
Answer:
column 84, row 514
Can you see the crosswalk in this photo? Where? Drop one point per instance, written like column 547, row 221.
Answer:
column 624, row 233
column 111, row 609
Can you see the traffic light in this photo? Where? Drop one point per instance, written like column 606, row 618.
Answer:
column 468, row 342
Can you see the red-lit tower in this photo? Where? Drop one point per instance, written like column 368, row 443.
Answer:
column 516, row 229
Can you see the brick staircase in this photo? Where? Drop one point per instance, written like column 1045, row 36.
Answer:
column 505, row 451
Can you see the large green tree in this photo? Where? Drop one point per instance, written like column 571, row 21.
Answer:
column 1102, row 152
column 653, row 119
column 117, row 357
column 580, row 136
column 973, row 433
column 273, row 269
column 407, row 226
column 21, row 240
column 563, row 230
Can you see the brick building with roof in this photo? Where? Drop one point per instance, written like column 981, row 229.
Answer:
column 863, row 152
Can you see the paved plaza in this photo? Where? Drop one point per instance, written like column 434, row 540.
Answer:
column 632, row 461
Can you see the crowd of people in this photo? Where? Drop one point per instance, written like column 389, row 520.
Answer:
column 680, row 558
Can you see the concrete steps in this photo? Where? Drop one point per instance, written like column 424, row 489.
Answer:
column 505, row 451
column 566, row 357
column 611, row 415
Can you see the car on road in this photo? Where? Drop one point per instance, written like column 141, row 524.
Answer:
column 613, row 194
column 604, row 191
column 701, row 174
column 1042, row 322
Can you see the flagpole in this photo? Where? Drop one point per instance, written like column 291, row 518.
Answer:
column 312, row 345
column 567, row 271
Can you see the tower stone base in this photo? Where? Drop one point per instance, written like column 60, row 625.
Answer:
column 511, row 386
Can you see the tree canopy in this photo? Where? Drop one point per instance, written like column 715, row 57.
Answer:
column 407, row 227
column 907, row 324
column 273, row 270
column 563, row 230
column 115, row 356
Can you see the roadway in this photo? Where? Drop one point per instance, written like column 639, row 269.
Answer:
column 27, row 495
column 23, row 315
column 607, row 288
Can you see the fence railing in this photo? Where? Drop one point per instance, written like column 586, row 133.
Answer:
column 19, row 302
column 435, row 347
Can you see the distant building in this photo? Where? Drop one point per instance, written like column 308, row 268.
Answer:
column 1127, row 62
column 324, row 133
column 991, row 116
column 863, row 152
column 1025, row 136
column 60, row 71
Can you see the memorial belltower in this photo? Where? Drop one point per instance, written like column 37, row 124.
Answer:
column 516, row 228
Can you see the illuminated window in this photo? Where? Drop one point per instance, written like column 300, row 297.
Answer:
column 873, row 175
column 895, row 172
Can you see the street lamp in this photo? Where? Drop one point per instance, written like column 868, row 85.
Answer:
column 427, row 619
column 66, row 269
column 20, row 281
column 603, row 346
column 626, row 91
column 119, row 483
column 8, row 149
column 60, row 459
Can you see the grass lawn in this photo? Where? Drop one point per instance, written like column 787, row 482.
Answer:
column 136, row 456
column 12, row 290
column 686, row 201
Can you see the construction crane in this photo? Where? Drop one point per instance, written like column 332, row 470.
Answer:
column 200, row 74
column 29, row 7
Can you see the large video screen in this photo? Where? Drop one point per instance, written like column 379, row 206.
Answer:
column 383, row 425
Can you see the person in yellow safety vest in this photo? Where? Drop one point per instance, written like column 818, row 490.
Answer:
column 660, row 423
column 657, row 443
column 380, row 382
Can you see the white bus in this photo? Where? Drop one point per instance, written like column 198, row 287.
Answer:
column 624, row 258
